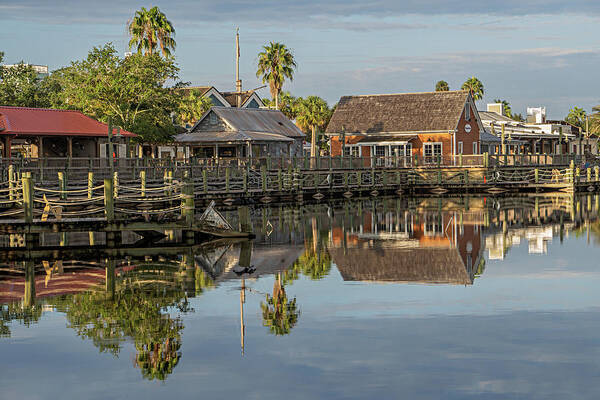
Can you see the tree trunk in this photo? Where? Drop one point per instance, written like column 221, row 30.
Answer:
column 277, row 100
column 313, row 148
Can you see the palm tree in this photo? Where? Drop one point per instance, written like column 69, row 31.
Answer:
column 275, row 64
column 149, row 29
column 474, row 86
column 442, row 86
column 313, row 112
column 193, row 107
column 576, row 117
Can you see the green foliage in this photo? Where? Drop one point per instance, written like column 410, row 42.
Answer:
column 576, row 117
column 279, row 313
column 17, row 312
column 139, row 310
column 131, row 90
column 192, row 107
column 518, row 117
column 150, row 29
column 275, row 64
column 21, row 87
column 288, row 104
column 474, row 86
column 442, row 86
column 312, row 113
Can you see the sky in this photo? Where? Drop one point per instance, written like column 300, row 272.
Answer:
column 531, row 53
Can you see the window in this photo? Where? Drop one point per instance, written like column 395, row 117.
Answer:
column 350, row 150
column 215, row 101
column 212, row 118
column 432, row 152
column 468, row 112
column 475, row 148
column 433, row 225
column 460, row 147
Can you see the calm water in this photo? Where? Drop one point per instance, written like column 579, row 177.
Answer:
column 387, row 298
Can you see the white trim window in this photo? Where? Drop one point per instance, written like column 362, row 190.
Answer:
column 460, row 147
column 468, row 111
column 475, row 148
column 431, row 152
column 351, row 150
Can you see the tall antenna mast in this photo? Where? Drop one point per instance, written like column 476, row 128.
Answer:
column 238, row 81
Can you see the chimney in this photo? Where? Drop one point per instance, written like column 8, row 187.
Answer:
column 498, row 108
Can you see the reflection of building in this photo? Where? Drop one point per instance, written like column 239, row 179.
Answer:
column 430, row 247
column 40, row 70
column 537, row 237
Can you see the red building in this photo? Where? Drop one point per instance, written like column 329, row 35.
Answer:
column 425, row 127
column 40, row 132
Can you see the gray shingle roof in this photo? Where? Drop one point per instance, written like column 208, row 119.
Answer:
column 258, row 120
column 405, row 112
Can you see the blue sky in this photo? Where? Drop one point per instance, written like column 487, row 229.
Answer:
column 529, row 52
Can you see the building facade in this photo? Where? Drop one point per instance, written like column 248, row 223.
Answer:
column 228, row 132
column 421, row 128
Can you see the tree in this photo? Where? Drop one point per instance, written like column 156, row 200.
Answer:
column 474, row 86
column 280, row 315
column 576, row 117
column 275, row 64
column 313, row 113
column 442, row 86
column 518, row 117
column 595, row 121
column 131, row 90
column 193, row 106
column 149, row 29
column 505, row 107
column 20, row 86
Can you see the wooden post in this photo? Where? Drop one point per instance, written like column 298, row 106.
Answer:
column 439, row 177
column 62, row 185
column 90, row 184
column 187, row 203
column 466, row 176
column 143, row 182
column 245, row 181
column 263, row 173
column 537, row 175
column 27, row 197
column 279, row 179
column 572, row 171
column 11, row 181
column 116, row 183
column 597, row 173
column 589, row 174
column 460, row 160
column 244, row 217
column 110, row 279
column 227, row 172
column 205, row 180
column 109, row 201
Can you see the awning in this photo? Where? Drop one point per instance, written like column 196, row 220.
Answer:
column 241, row 137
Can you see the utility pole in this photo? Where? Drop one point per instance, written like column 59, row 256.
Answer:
column 238, row 81
column 111, row 161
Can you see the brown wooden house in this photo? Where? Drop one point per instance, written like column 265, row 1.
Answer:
column 423, row 127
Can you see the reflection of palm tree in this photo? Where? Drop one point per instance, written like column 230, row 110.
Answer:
column 279, row 313
column 157, row 360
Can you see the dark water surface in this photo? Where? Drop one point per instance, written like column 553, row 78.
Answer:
column 379, row 298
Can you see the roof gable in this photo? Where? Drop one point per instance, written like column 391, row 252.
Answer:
column 44, row 121
column 405, row 112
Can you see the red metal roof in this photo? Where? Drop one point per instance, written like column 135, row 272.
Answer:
column 26, row 121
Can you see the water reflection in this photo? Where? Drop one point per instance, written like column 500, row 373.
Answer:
column 141, row 296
